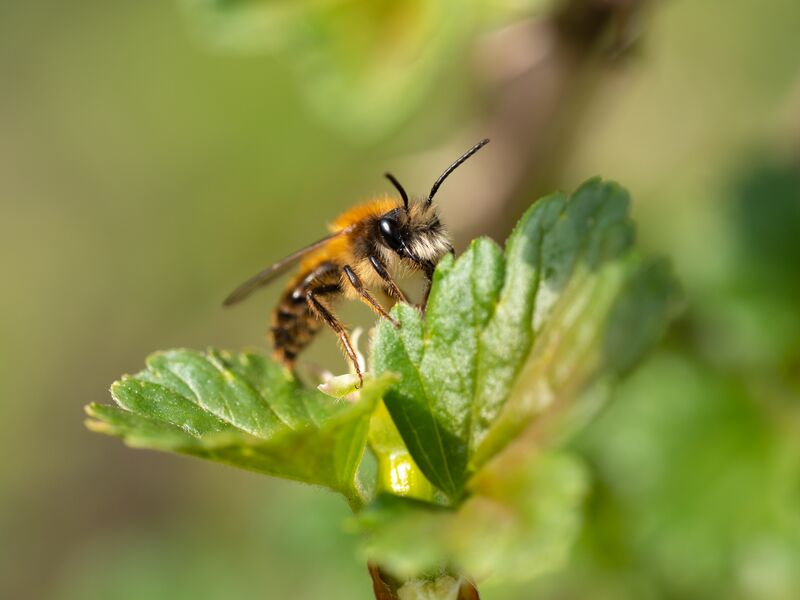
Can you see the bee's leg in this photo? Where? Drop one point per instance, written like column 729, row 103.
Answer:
column 331, row 321
column 429, row 268
column 366, row 297
column 391, row 286
column 426, row 293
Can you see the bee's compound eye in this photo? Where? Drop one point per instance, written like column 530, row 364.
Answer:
column 390, row 234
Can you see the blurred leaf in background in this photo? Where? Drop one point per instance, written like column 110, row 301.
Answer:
column 696, row 462
column 519, row 522
column 695, row 492
column 362, row 65
column 753, row 315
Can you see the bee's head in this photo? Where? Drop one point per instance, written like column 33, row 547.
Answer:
column 413, row 232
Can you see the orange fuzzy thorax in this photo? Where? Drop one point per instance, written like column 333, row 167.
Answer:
column 373, row 208
column 339, row 249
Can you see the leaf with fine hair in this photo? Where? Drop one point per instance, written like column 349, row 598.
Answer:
column 508, row 339
column 242, row 410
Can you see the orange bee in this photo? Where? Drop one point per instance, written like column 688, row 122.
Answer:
column 367, row 244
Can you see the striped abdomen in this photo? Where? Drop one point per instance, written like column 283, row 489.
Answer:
column 294, row 323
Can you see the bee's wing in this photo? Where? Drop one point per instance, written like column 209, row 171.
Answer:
column 271, row 272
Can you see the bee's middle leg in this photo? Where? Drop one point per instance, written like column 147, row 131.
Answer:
column 324, row 313
column 366, row 297
column 391, row 286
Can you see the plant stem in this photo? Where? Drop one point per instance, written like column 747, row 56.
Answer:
column 355, row 498
column 445, row 587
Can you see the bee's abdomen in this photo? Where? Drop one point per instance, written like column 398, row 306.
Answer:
column 293, row 328
column 294, row 324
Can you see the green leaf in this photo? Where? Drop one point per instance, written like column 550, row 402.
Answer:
column 397, row 473
column 428, row 404
column 689, row 457
column 520, row 521
column 507, row 340
column 362, row 65
column 242, row 410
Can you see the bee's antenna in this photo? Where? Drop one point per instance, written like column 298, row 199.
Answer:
column 453, row 167
column 399, row 187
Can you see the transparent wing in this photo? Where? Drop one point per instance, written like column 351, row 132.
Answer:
column 273, row 271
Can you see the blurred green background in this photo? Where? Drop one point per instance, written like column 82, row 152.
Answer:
column 153, row 154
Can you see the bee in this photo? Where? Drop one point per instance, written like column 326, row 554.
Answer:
column 368, row 244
